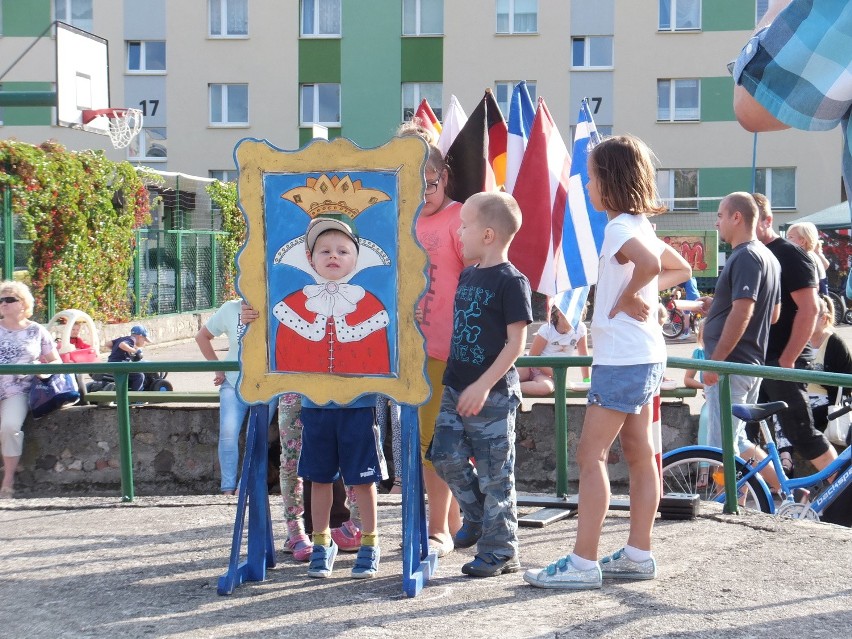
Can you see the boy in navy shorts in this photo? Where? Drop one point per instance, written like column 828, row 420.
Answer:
column 482, row 389
column 340, row 440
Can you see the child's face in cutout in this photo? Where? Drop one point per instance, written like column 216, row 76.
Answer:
column 593, row 187
column 334, row 255
column 432, row 202
column 471, row 232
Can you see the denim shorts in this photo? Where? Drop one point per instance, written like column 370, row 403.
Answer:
column 625, row 388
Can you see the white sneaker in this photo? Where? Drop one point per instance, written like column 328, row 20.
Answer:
column 619, row 566
column 563, row 574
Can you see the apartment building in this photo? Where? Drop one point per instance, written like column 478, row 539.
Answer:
column 207, row 73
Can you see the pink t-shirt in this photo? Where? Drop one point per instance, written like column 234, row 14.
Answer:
column 438, row 234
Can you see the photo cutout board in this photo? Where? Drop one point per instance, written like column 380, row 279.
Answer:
column 336, row 322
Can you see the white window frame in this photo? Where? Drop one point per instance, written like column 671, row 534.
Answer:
column 224, row 6
column 509, row 86
column 143, row 143
column 418, row 19
column 767, row 187
column 587, row 52
column 226, row 88
column 672, row 103
column 511, row 30
column 667, row 188
column 673, row 17
column 68, row 18
column 314, row 119
column 142, row 70
column 418, row 96
column 314, row 33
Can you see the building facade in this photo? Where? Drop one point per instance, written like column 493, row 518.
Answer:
column 207, row 73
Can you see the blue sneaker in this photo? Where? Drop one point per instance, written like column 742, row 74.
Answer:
column 490, row 565
column 366, row 562
column 467, row 535
column 322, row 561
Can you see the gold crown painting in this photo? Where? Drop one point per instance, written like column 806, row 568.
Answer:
column 329, row 195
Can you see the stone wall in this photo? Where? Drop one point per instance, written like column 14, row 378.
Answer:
column 75, row 450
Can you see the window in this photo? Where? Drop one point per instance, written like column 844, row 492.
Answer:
column 228, row 18
column 591, row 51
column 320, row 104
column 422, row 17
column 503, row 94
column 150, row 145
column 678, row 188
column 779, row 185
column 321, row 17
column 146, row 56
column 517, row 16
column 680, row 15
column 229, row 104
column 77, row 13
column 228, row 175
column 677, row 100
column 761, row 7
column 413, row 94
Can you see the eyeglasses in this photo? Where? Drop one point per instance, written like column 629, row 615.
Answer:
column 431, row 187
column 9, row 300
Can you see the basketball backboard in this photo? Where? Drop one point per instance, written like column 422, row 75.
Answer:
column 82, row 78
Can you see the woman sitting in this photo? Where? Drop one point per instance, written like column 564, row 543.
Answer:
column 555, row 338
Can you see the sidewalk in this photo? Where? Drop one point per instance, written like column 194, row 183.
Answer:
column 92, row 567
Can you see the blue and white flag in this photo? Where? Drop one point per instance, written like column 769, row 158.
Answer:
column 583, row 227
column 572, row 303
column 521, row 116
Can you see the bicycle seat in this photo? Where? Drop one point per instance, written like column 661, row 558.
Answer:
column 757, row 412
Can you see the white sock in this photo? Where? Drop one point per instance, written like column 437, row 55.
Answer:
column 582, row 564
column 634, row 554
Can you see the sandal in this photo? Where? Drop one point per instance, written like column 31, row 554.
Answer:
column 300, row 546
column 440, row 547
column 787, row 464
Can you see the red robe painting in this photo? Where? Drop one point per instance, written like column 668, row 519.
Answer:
column 332, row 327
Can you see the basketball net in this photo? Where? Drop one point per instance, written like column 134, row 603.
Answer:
column 123, row 124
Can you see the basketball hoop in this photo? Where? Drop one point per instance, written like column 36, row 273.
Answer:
column 123, row 124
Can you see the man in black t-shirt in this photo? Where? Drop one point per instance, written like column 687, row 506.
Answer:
column 788, row 340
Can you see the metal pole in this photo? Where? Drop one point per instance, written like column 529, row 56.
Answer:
column 561, row 413
column 728, row 445
column 214, row 297
column 50, row 294
column 8, row 236
column 124, row 447
column 178, row 272
column 137, row 274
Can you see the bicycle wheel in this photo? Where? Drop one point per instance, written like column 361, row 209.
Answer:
column 683, row 469
column 839, row 307
column 673, row 326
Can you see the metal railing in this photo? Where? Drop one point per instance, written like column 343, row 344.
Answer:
column 560, row 366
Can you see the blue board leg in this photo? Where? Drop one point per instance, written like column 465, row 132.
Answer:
column 260, row 553
column 418, row 564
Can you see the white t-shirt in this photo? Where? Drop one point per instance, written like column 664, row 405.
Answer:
column 623, row 340
column 227, row 321
column 561, row 343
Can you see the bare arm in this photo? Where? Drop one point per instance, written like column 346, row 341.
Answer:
column 646, row 266
column 204, row 339
column 473, row 397
column 583, row 349
column 750, row 113
column 675, row 269
column 734, row 328
column 689, row 379
column 803, row 325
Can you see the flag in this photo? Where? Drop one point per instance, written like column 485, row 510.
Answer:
column 572, row 303
column 477, row 157
column 521, row 116
column 583, row 230
column 454, row 120
column 427, row 119
column 541, row 190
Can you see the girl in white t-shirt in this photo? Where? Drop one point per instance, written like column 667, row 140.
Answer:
column 555, row 338
column 629, row 360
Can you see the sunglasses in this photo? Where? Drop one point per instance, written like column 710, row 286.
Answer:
column 9, row 300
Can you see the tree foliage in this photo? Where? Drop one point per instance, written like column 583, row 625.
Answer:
column 224, row 194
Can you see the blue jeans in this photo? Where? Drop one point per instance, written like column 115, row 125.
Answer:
column 232, row 414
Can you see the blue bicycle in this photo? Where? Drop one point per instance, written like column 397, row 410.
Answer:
column 699, row 470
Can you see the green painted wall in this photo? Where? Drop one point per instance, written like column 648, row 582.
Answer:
column 319, row 60
column 27, row 116
column 370, row 71
column 727, row 15
column 305, row 135
column 718, row 182
column 717, row 99
column 422, row 59
column 25, row 18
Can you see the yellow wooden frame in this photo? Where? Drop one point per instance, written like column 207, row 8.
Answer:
column 406, row 157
